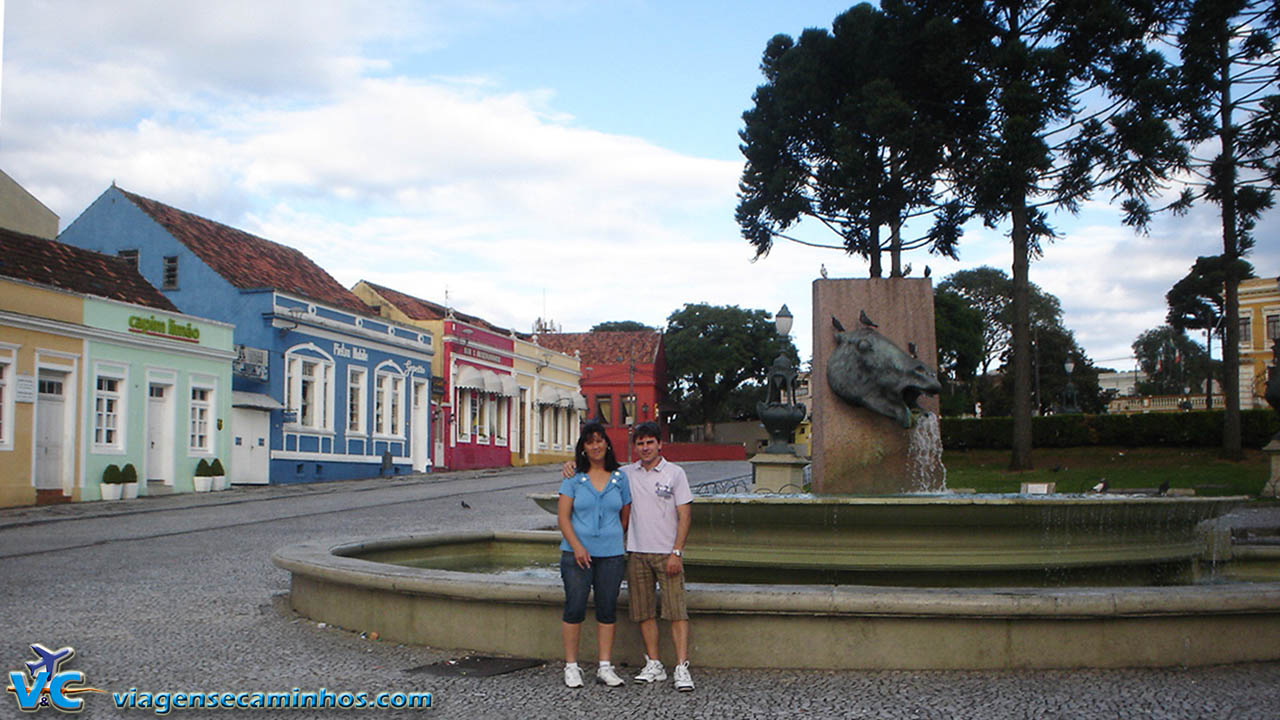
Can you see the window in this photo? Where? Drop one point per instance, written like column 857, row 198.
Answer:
column 462, row 414
column 170, row 277
column 1273, row 328
column 544, row 421
column 628, row 410
column 504, row 412
column 555, row 426
column 106, row 412
column 129, row 256
column 6, row 422
column 355, row 400
column 473, row 410
column 604, row 409
column 1246, row 331
column 388, row 404
column 198, row 435
column 309, row 391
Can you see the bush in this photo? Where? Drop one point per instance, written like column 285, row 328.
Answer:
column 112, row 475
column 202, row 468
column 129, row 473
column 1182, row 429
column 216, row 468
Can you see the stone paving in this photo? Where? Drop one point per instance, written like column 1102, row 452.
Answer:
column 178, row 593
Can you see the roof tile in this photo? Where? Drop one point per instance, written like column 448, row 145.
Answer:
column 602, row 348
column 47, row 262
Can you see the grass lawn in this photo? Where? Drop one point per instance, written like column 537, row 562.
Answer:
column 1078, row 469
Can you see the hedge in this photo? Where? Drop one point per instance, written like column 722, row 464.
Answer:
column 1186, row 429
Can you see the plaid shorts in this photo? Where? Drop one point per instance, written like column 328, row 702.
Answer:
column 643, row 570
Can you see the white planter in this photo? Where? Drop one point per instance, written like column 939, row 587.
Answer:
column 111, row 491
column 130, row 490
column 220, row 482
column 203, row 484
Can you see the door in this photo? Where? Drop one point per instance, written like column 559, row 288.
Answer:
column 51, row 428
column 160, row 441
column 522, row 442
column 420, row 427
column 250, row 454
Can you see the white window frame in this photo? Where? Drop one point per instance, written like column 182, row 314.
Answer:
column 209, row 406
column 8, row 369
column 119, row 374
column 504, row 417
column 1246, row 329
column 389, row 401
column 543, row 425
column 323, row 389
column 358, row 383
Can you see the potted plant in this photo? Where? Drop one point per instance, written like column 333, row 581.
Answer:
column 204, row 478
column 129, row 481
column 112, row 481
column 219, row 475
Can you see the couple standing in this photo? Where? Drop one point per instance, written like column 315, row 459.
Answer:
column 601, row 502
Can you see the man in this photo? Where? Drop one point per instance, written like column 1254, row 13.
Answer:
column 660, row 519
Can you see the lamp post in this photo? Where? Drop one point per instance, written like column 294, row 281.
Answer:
column 778, row 469
column 1069, row 402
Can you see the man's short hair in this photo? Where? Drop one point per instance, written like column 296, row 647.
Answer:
column 648, row 429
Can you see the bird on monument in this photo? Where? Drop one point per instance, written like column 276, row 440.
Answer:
column 906, row 270
column 862, row 317
column 836, row 324
column 928, row 272
column 822, row 269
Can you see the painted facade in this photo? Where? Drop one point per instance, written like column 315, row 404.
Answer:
column 503, row 400
column 322, row 389
column 81, row 377
column 1259, row 329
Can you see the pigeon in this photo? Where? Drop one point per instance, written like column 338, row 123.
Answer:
column 911, row 348
column 822, row 269
column 465, row 506
column 1164, row 488
column 836, row 324
column 928, row 272
column 906, row 270
column 862, row 317
column 1102, row 486
column 1059, row 468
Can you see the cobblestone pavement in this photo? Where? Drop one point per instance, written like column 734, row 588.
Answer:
column 178, row 593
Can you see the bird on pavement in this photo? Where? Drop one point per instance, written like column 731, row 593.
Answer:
column 862, row 317
column 1164, row 488
column 1101, row 486
column 465, row 506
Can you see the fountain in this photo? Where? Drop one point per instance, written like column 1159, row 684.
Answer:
column 882, row 580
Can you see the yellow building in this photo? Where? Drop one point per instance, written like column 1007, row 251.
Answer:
column 1259, row 329
column 551, row 419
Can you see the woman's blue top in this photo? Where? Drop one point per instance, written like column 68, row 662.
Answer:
column 595, row 516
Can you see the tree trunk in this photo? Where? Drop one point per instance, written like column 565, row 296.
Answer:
column 873, row 250
column 1021, row 339
column 1208, row 380
column 1231, row 441
column 895, row 248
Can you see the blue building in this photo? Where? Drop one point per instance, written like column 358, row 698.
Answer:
column 323, row 389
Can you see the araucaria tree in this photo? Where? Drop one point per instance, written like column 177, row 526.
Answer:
column 1076, row 102
column 1198, row 302
column 1230, row 71
column 854, row 129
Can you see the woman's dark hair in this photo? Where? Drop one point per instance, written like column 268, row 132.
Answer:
column 580, row 452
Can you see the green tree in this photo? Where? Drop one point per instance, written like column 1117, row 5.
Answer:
column 1198, row 302
column 1171, row 361
column 1229, row 75
column 959, row 333
column 990, row 291
column 845, row 133
column 622, row 326
column 1043, row 146
column 714, row 349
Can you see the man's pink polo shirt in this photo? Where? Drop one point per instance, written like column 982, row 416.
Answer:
column 654, row 496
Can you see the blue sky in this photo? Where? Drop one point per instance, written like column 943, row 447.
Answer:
column 572, row 158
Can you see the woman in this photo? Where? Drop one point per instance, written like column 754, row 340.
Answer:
column 594, row 510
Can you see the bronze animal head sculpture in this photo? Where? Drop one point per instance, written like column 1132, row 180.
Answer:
column 869, row 371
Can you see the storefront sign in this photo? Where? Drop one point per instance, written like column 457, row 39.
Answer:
column 172, row 329
column 355, row 353
column 475, row 353
column 24, row 388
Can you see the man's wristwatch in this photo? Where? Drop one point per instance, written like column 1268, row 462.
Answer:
column 678, row 553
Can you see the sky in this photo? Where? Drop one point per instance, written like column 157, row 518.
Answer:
column 569, row 159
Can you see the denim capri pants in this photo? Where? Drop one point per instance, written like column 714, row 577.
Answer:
column 604, row 575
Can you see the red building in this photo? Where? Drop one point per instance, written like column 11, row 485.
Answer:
column 624, row 378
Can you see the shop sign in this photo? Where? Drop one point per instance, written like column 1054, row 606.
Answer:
column 481, row 354
column 24, row 388
column 354, row 353
column 173, row 330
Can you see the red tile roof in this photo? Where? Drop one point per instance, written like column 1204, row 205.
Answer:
column 248, row 261
column 419, row 309
column 47, row 262
column 604, row 348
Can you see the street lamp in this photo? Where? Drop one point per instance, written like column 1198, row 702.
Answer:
column 1069, row 403
column 782, row 321
column 779, row 412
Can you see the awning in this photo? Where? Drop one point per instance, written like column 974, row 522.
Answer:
column 469, row 377
column 492, row 384
column 579, row 402
column 509, row 386
column 256, row 401
column 566, row 398
column 548, row 395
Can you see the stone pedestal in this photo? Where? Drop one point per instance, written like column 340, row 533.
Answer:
column 777, row 473
column 854, row 449
column 1272, row 488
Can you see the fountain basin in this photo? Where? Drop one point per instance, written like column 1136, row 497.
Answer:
column 353, row 585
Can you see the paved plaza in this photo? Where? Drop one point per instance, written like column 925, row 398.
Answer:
column 178, row 593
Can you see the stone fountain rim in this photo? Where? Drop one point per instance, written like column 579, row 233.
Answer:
column 927, row 499
column 335, row 561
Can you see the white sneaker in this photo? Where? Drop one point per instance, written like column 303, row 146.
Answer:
column 684, row 681
column 606, row 675
column 572, row 675
column 652, row 672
